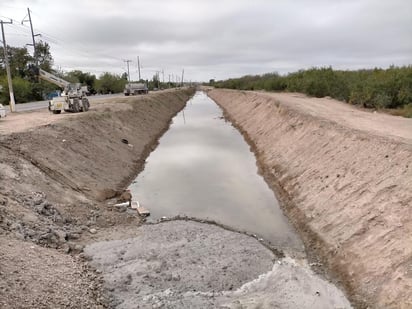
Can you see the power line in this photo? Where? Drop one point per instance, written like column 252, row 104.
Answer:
column 6, row 60
column 57, row 42
column 32, row 35
column 138, row 65
column 128, row 71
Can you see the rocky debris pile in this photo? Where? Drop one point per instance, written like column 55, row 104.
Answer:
column 41, row 222
column 36, row 277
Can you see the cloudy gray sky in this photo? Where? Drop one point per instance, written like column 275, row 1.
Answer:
column 216, row 38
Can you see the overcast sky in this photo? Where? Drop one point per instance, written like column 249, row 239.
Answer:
column 216, row 38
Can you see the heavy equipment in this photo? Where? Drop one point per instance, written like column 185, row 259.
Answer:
column 73, row 97
column 135, row 88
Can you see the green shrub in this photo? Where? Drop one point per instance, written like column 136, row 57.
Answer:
column 377, row 88
column 22, row 90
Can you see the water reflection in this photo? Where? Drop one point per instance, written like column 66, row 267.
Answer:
column 203, row 168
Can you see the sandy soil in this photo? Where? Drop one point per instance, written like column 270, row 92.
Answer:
column 30, row 120
column 344, row 177
column 36, row 277
column 53, row 173
column 348, row 116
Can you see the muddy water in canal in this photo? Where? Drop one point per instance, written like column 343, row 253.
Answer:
column 203, row 168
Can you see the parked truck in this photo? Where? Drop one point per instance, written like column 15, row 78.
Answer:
column 72, row 99
column 135, row 88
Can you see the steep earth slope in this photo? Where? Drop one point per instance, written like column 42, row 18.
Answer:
column 345, row 178
column 53, row 173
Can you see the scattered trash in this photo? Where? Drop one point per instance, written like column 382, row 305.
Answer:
column 125, row 204
column 143, row 211
column 93, row 231
column 315, row 264
column 121, row 207
column 63, row 140
column 125, row 141
column 163, row 218
column 135, row 205
column 126, row 196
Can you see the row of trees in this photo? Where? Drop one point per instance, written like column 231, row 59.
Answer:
column 377, row 88
column 23, row 79
column 27, row 86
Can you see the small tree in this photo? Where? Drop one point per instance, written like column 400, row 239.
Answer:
column 110, row 83
column 43, row 56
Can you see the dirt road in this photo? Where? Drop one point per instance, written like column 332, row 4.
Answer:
column 347, row 116
column 344, row 177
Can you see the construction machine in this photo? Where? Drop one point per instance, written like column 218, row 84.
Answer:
column 135, row 88
column 73, row 97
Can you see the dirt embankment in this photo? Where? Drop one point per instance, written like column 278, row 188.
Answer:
column 53, row 175
column 344, row 183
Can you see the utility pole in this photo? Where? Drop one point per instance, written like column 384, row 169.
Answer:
column 183, row 73
column 32, row 36
column 158, row 79
column 138, row 66
column 6, row 61
column 128, row 71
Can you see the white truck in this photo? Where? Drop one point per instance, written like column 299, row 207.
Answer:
column 72, row 99
column 135, row 88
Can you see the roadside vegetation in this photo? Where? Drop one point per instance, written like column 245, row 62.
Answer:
column 27, row 87
column 383, row 89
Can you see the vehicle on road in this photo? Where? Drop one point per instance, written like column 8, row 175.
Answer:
column 135, row 88
column 72, row 99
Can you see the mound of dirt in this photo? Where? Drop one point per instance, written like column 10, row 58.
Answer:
column 344, row 177
column 36, row 277
column 54, row 172
column 186, row 264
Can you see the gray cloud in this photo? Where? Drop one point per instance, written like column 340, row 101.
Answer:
column 225, row 38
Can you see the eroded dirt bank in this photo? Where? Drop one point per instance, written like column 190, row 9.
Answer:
column 53, row 173
column 344, row 182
